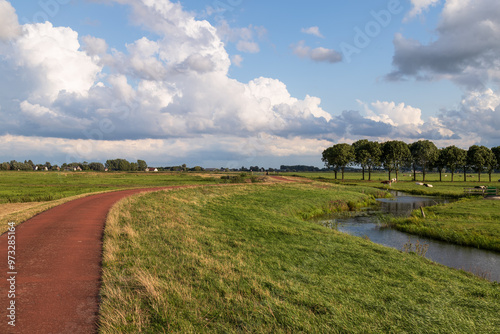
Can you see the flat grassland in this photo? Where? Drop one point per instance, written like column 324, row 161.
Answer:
column 22, row 187
column 406, row 184
column 468, row 222
column 243, row 259
column 25, row 194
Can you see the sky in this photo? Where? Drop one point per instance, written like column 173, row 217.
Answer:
column 232, row 83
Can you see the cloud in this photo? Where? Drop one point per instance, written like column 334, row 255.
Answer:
column 457, row 54
column 237, row 60
column 94, row 46
column 390, row 120
column 420, row 6
column 358, row 125
column 167, row 97
column 174, row 87
column 244, row 38
column 208, row 151
column 9, row 24
column 248, row 46
column 52, row 59
column 477, row 118
column 394, row 114
column 319, row 54
column 312, row 31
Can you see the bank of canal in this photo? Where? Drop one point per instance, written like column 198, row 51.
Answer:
column 482, row 263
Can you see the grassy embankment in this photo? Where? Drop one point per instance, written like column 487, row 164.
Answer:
column 468, row 222
column 242, row 259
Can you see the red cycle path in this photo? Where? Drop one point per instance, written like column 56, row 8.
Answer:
column 58, row 265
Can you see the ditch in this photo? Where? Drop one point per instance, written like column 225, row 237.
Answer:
column 367, row 224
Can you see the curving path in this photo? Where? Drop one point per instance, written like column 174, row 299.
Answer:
column 58, row 265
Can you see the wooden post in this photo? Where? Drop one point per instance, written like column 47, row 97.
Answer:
column 422, row 210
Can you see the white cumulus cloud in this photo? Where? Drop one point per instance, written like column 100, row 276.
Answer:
column 319, row 54
column 420, row 6
column 9, row 25
column 312, row 31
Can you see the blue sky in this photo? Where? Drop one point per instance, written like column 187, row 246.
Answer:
column 239, row 82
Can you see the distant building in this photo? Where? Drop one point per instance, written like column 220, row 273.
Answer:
column 151, row 169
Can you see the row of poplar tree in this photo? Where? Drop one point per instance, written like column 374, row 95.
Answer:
column 422, row 155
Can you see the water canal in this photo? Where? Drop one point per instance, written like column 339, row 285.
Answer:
column 483, row 263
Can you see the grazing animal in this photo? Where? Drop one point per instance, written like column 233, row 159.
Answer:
column 428, row 185
column 419, row 183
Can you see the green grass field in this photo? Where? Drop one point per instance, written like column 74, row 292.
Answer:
column 405, row 182
column 17, row 187
column 242, row 259
column 469, row 222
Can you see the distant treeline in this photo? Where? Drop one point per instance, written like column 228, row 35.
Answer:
column 301, row 168
column 111, row 165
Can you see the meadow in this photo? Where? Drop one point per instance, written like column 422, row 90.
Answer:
column 468, row 222
column 406, row 184
column 243, row 259
column 248, row 257
column 472, row 221
column 23, row 187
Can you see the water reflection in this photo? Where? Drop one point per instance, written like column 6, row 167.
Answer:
column 480, row 262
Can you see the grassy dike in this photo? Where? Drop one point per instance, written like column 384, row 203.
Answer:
column 468, row 222
column 242, row 259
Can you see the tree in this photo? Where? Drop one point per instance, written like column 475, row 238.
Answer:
column 368, row 154
column 496, row 152
column 85, row 166
column 142, row 165
column 96, row 166
column 5, row 166
column 454, row 158
column 112, row 165
column 124, row 165
column 414, row 165
column 30, row 165
column 424, row 154
column 491, row 163
column 339, row 156
column 478, row 157
column 441, row 163
column 395, row 154
column 361, row 154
